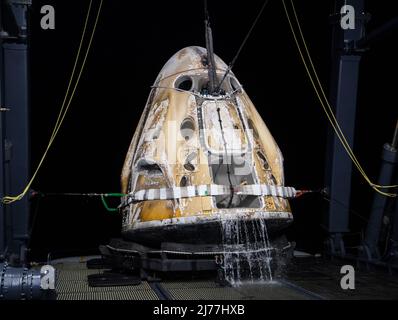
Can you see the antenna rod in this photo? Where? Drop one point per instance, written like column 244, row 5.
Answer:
column 210, row 53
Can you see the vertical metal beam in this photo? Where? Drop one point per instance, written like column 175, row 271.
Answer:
column 372, row 236
column 343, row 97
column 2, row 159
column 17, row 135
column 370, row 248
column 15, row 143
column 393, row 250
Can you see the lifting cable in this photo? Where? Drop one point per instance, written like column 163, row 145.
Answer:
column 232, row 63
column 325, row 102
column 103, row 197
column 175, row 193
column 67, row 99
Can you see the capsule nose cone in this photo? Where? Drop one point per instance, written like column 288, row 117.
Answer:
column 189, row 58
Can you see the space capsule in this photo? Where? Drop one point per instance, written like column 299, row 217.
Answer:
column 198, row 157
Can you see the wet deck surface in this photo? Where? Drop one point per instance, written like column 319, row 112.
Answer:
column 323, row 277
column 307, row 278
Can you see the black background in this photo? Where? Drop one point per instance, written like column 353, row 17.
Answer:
column 133, row 41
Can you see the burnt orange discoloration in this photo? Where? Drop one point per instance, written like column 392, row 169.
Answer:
column 165, row 111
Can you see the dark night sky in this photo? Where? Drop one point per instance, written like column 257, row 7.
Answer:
column 133, row 41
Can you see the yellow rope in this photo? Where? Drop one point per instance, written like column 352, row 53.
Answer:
column 65, row 105
column 330, row 108
column 328, row 111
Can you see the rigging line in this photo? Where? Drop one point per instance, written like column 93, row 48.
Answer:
column 74, row 68
column 329, row 199
column 206, row 10
column 342, row 139
column 102, row 196
column 347, row 147
column 11, row 199
column 76, row 194
column 105, row 204
column 231, row 65
column 226, row 155
column 328, row 104
column 82, row 68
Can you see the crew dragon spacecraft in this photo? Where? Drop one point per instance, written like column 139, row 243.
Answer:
column 201, row 153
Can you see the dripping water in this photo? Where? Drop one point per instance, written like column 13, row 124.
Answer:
column 247, row 251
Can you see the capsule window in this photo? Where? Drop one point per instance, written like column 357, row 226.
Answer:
column 187, row 128
column 184, row 83
column 184, row 181
column 151, row 169
column 189, row 166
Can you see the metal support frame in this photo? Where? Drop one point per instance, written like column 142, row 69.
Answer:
column 124, row 255
column 371, row 242
column 17, row 281
column 2, row 148
column 343, row 97
column 370, row 246
column 393, row 249
column 14, row 130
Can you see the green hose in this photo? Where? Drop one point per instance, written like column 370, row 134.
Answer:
column 103, row 196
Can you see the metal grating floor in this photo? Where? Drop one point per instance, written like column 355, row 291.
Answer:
column 207, row 290
column 306, row 279
column 72, row 285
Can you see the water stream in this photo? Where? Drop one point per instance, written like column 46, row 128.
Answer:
column 247, row 251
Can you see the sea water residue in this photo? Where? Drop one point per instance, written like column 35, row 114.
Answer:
column 247, row 251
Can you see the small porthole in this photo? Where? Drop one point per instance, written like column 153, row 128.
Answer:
column 184, row 83
column 189, row 166
column 187, row 128
column 184, row 181
column 149, row 168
